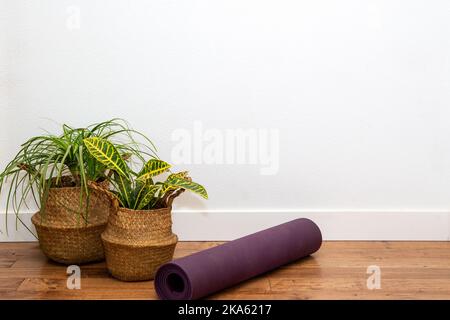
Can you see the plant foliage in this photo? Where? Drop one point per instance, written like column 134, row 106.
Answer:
column 44, row 160
column 137, row 190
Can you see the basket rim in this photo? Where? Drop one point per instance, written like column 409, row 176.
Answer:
column 150, row 211
column 164, row 243
column 37, row 223
column 63, row 188
column 74, row 187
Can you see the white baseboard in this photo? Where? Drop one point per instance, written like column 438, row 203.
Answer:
column 335, row 225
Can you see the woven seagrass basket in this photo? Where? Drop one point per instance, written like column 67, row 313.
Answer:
column 67, row 232
column 138, row 242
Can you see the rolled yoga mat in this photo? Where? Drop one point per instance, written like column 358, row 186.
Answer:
column 217, row 268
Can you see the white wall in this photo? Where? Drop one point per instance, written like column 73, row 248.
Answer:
column 359, row 91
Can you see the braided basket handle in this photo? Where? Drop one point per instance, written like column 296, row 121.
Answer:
column 96, row 186
column 170, row 196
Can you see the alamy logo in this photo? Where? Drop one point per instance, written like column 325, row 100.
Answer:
column 227, row 146
column 74, row 279
column 73, row 21
column 374, row 280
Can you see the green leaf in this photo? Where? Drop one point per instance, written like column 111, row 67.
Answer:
column 177, row 180
column 61, row 167
column 124, row 190
column 149, row 194
column 153, row 168
column 106, row 153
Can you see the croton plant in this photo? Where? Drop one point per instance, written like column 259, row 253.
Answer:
column 138, row 190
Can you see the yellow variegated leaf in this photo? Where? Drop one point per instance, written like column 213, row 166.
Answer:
column 106, row 153
column 182, row 181
column 153, row 168
column 182, row 175
column 148, row 194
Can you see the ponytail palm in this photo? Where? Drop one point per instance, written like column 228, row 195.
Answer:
column 137, row 190
column 44, row 160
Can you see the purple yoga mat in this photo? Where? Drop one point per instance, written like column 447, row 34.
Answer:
column 214, row 269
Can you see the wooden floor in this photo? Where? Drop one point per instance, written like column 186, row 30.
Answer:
column 409, row 270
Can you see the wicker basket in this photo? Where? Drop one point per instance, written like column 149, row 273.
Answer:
column 67, row 232
column 137, row 242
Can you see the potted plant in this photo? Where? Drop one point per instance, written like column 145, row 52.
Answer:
column 66, row 182
column 138, row 237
